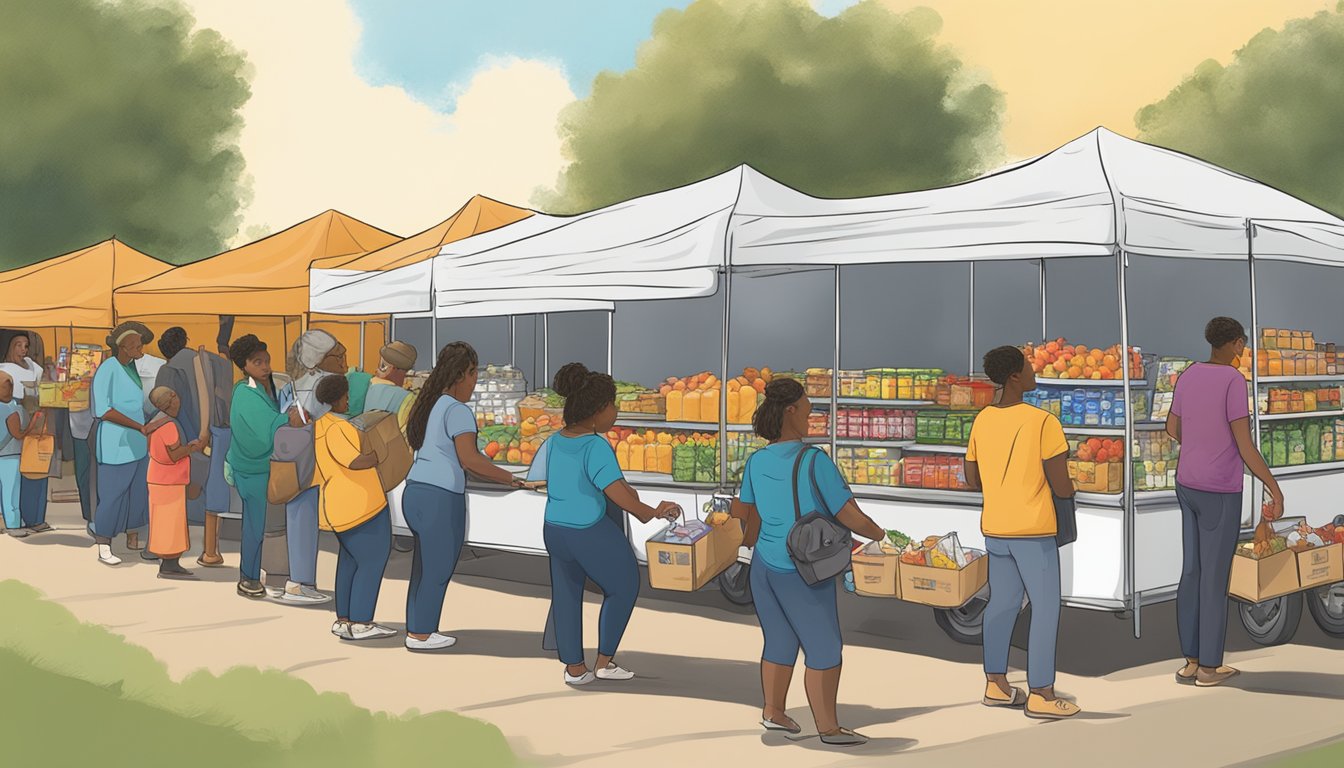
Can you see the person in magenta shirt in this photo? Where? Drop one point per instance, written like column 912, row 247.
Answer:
column 1210, row 418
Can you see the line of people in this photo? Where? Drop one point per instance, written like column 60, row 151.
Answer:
column 1016, row 457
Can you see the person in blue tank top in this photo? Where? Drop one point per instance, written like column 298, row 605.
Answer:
column 582, row 540
column 792, row 613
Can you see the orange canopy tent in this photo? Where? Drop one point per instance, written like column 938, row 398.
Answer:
column 264, row 285
column 68, row 298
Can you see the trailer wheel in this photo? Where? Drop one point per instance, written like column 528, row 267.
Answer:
column 1327, row 608
column 964, row 624
column 1272, row 622
column 403, row 543
column 735, row 583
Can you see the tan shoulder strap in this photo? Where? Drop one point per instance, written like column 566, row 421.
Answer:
column 204, row 393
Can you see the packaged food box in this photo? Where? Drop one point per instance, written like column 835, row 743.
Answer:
column 876, row 571
column 944, row 587
column 1271, row 573
column 685, row 563
column 1318, row 566
column 73, row 395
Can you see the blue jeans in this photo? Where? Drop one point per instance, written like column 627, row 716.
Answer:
column 82, row 462
column 1210, row 524
column 601, row 553
column 360, row 565
column 1018, row 566
column 10, row 482
column 123, row 499
column 438, row 518
column 33, row 501
column 793, row 615
column 252, row 489
column 301, row 536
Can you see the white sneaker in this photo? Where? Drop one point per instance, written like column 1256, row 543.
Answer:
column 298, row 594
column 106, row 557
column 613, row 672
column 584, row 679
column 435, row 642
column 341, row 629
column 370, row 632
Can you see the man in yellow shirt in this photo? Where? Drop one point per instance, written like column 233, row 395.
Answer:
column 1018, row 458
column 354, row 507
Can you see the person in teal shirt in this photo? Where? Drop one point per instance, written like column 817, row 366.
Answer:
column 794, row 614
column 254, row 416
column 582, row 540
column 122, row 450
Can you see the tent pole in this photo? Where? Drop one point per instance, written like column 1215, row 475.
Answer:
column 546, row 347
column 835, row 367
column 513, row 349
column 723, row 381
column 970, row 354
column 1257, row 491
column 1132, row 595
column 610, row 322
column 1043, row 333
column 361, row 346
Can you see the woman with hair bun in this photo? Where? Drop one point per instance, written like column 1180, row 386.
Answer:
column 442, row 431
column 583, row 542
column 794, row 614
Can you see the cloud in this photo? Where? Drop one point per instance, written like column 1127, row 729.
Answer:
column 318, row 136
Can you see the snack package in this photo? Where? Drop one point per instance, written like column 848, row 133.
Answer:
column 947, row 553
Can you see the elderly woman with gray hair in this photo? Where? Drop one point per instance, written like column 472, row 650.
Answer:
column 118, row 404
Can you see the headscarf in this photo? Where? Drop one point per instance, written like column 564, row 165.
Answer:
column 120, row 332
column 399, row 354
column 311, row 347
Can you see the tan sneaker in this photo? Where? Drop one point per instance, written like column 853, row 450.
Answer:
column 1041, row 709
column 1186, row 675
column 995, row 697
column 1208, row 678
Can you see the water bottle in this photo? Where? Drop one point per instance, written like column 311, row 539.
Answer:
column 849, row 581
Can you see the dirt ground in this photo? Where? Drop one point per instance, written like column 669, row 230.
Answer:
column 906, row 685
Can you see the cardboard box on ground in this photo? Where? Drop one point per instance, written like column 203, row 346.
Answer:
column 380, row 433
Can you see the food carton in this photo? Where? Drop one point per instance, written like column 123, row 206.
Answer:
column 379, row 432
column 944, row 587
column 876, row 571
column 1320, row 565
column 685, row 564
column 1269, row 576
column 73, row 395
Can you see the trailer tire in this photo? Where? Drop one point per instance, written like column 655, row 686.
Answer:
column 735, row 583
column 1272, row 622
column 965, row 624
column 1327, row 608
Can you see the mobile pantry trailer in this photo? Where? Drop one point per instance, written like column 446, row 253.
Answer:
column 1101, row 206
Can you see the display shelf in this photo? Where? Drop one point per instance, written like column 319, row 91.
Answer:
column 927, row 448
column 1094, row 431
column 1115, row 500
column 1308, row 469
column 1084, row 383
column 687, row 426
column 660, row 480
column 900, row 493
column 1338, row 378
column 1150, row 426
column 849, row 443
column 875, row 402
column 1300, row 415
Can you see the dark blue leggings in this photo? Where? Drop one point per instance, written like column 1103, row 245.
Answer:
column 360, row 565
column 601, row 553
column 438, row 518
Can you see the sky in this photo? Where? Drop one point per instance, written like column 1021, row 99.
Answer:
column 397, row 111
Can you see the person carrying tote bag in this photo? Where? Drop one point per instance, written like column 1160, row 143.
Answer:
column 794, row 565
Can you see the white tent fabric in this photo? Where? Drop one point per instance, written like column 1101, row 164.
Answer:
column 1094, row 194
column 1086, row 198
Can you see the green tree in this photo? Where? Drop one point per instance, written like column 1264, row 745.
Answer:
column 864, row 103
column 118, row 119
column 1274, row 113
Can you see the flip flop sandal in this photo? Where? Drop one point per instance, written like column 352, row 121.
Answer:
column 845, row 738
column 771, row 725
column 1184, row 680
column 1019, row 699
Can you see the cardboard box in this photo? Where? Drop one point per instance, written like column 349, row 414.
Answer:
column 1269, row 577
column 73, row 395
column 379, row 432
column 1320, row 565
column 942, row 587
column 876, row 575
column 688, row 567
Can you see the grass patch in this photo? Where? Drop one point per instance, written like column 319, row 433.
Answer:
column 76, row 694
column 1328, row 756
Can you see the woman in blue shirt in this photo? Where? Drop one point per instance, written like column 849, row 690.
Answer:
column 442, row 431
column 582, row 540
column 792, row 613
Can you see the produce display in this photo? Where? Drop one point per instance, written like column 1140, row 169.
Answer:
column 696, row 398
column 876, row 383
column 933, row 427
column 1293, row 353
column 647, row 450
column 498, row 391
column 634, row 398
column 1278, row 400
column 1096, row 465
column 1059, row 359
column 697, row 459
column 1099, row 407
column 1155, row 457
column 1302, row 443
column 503, row 444
column 874, row 424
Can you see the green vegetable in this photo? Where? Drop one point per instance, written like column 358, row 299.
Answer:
column 898, row 539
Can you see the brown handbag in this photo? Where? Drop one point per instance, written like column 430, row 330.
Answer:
column 39, row 458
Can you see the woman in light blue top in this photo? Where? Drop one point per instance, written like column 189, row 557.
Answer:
column 582, row 540
column 14, row 427
column 794, row 614
column 118, row 401
column 442, row 430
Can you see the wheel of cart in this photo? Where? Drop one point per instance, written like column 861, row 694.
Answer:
column 965, row 624
column 1327, row 608
column 1274, row 621
column 735, row 583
